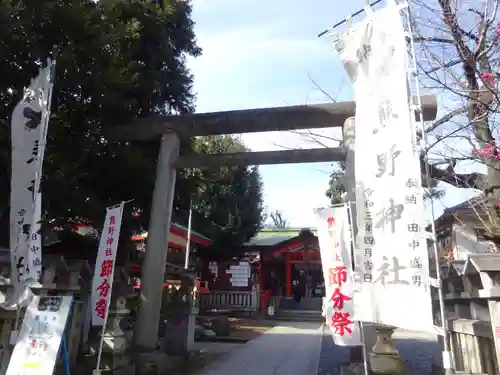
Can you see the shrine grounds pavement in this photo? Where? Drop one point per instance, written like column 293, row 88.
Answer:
column 300, row 348
column 420, row 352
column 286, row 349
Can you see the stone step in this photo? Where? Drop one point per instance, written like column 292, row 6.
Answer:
column 299, row 315
column 305, row 303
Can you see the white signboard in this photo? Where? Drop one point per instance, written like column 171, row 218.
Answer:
column 334, row 236
column 28, row 136
column 102, row 281
column 391, row 259
column 39, row 340
column 240, row 273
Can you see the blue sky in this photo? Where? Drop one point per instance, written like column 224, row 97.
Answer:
column 259, row 53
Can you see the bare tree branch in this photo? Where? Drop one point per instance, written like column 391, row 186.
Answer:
column 444, row 119
column 448, row 175
column 419, row 39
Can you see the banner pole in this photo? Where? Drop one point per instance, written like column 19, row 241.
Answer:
column 188, row 239
column 101, row 343
column 353, row 254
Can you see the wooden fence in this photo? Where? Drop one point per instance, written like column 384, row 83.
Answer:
column 473, row 346
column 230, row 300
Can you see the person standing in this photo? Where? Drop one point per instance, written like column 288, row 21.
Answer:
column 298, row 289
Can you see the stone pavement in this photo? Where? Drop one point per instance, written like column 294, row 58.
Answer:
column 287, row 349
column 420, row 353
column 299, row 348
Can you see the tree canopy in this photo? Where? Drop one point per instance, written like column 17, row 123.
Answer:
column 228, row 200
column 336, row 185
column 117, row 60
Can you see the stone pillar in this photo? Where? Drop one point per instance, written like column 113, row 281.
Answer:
column 384, row 357
column 153, row 268
column 116, row 348
column 49, row 275
column 377, row 338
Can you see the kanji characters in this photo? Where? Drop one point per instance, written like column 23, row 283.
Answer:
column 108, row 252
column 337, row 276
column 104, row 288
column 338, row 299
column 100, row 308
column 387, row 162
column 389, row 215
column 330, row 221
column 340, row 321
column 363, row 53
column 106, row 268
column 413, row 227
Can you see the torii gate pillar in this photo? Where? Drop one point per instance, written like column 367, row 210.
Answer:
column 152, row 281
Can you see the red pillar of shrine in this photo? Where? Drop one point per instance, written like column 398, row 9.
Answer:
column 288, row 266
column 261, row 271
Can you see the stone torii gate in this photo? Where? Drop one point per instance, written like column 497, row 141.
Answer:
column 171, row 128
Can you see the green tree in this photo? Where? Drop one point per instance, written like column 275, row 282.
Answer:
column 336, row 185
column 228, row 200
column 118, row 60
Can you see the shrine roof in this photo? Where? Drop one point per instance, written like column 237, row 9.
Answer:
column 487, row 262
column 471, row 206
column 272, row 237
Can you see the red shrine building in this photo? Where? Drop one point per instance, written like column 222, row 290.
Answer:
column 267, row 265
column 284, row 254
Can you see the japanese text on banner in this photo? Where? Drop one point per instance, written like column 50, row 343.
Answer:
column 391, row 252
column 105, row 265
column 28, row 137
column 335, row 247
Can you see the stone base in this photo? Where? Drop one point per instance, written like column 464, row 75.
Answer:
column 390, row 364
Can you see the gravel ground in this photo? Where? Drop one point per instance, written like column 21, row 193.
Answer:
column 419, row 353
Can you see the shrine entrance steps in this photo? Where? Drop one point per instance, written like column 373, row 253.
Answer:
column 309, row 310
column 299, row 316
column 313, row 303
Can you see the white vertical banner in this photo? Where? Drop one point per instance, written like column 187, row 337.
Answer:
column 29, row 125
column 334, row 236
column 102, row 281
column 391, row 250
